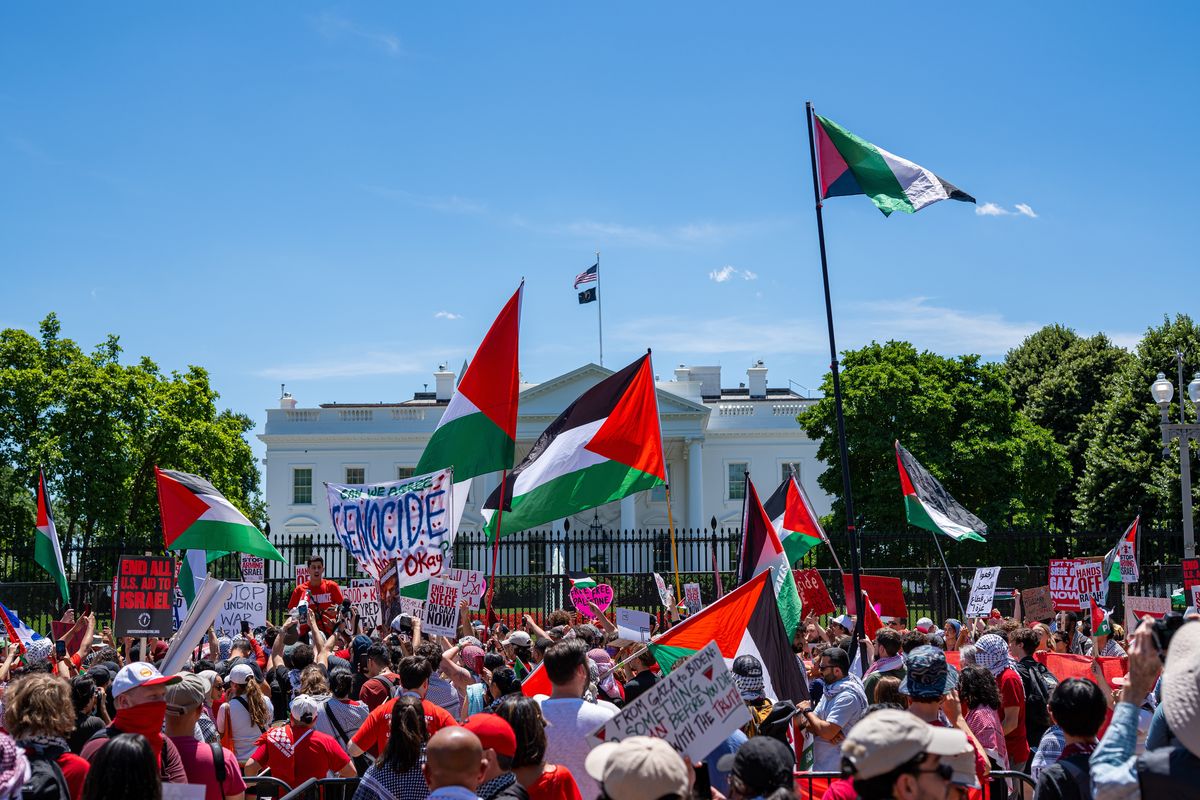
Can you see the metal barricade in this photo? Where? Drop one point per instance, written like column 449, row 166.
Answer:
column 324, row 789
column 266, row 786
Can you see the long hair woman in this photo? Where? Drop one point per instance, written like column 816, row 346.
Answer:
column 980, row 696
column 398, row 772
column 39, row 715
column 540, row 780
column 124, row 768
column 245, row 716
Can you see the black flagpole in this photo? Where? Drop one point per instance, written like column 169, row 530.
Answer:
column 844, row 454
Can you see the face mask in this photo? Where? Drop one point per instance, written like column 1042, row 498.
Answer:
column 146, row 719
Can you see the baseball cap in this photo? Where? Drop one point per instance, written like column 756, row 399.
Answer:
column 963, row 765
column 494, row 733
column 928, row 676
column 518, row 639
column 763, row 764
column 242, row 673
column 1181, row 686
column 100, row 675
column 188, row 693
column 845, row 620
column 139, row 673
column 925, row 625
column 638, row 767
column 886, row 739
column 304, row 708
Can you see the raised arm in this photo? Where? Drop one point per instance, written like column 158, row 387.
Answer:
column 532, row 628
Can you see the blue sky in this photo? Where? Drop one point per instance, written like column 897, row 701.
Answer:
column 340, row 196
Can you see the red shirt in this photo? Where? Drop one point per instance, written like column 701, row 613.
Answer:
column 374, row 692
column 198, row 762
column 1012, row 693
column 313, row 754
column 373, row 735
column 75, row 770
column 555, row 783
column 323, row 595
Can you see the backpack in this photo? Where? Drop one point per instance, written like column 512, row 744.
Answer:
column 1039, row 684
column 46, row 779
column 758, row 714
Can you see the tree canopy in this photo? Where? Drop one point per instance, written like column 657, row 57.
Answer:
column 98, row 427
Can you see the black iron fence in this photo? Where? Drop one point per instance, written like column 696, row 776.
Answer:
column 532, row 566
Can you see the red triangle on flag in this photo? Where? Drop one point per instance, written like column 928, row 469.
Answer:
column 43, row 506
column 492, row 380
column 180, row 506
column 630, row 434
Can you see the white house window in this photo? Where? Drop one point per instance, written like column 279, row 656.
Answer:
column 737, row 480
column 405, row 472
column 356, row 475
column 785, row 470
column 302, row 486
column 659, row 493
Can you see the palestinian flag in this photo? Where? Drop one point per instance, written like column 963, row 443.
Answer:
column 1121, row 563
column 605, row 446
column 195, row 516
column 872, row 624
column 762, row 551
column 1100, row 619
column 794, row 519
column 581, row 580
column 192, row 572
column 46, row 550
column 745, row 621
column 478, row 430
column 931, row 507
column 849, row 165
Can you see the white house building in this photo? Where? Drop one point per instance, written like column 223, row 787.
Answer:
column 712, row 435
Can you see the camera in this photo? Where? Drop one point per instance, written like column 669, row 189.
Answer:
column 406, row 624
column 1164, row 629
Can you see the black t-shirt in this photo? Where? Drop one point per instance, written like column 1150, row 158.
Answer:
column 640, row 683
column 1066, row 779
column 251, row 663
column 86, row 726
column 281, row 692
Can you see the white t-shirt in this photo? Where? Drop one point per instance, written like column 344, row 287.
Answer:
column 245, row 732
column 568, row 723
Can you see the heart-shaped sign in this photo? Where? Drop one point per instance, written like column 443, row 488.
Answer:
column 601, row 594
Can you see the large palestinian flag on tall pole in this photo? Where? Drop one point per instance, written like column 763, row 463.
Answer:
column 931, row 507
column 745, row 621
column 794, row 519
column 46, row 550
column 195, row 516
column 477, row 433
column 604, row 446
column 1121, row 563
column 848, row 164
column 762, row 552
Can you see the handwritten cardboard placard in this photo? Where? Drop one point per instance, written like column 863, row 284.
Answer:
column 691, row 598
column 601, row 594
column 1191, row 572
column 1091, row 583
column 983, row 591
column 473, row 583
column 363, row 594
column 440, row 615
column 633, row 625
column 664, row 594
column 693, row 709
column 248, row 602
column 254, row 569
column 814, row 597
column 1036, row 603
column 1137, row 608
column 887, row 593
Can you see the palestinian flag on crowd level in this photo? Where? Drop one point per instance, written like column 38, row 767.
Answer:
column 477, row 433
column 605, row 446
column 871, row 621
column 195, row 516
column 581, row 580
column 745, row 621
column 850, row 165
column 1113, row 558
column 1100, row 619
column 931, row 507
column 794, row 519
column 17, row 630
column 46, row 550
column 762, row 551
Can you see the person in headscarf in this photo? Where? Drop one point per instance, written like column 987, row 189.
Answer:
column 991, row 652
column 951, row 631
column 610, row 688
column 14, row 768
column 748, row 677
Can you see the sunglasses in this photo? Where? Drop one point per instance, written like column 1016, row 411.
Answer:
column 942, row 770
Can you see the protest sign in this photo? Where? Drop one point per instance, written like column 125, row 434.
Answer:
column 363, row 594
column 472, row 584
column 254, row 569
column 1129, row 566
column 413, row 607
column 404, row 521
column 1069, row 665
column 983, row 590
column 1091, row 583
column 301, row 574
column 147, row 595
column 1195, row 590
column 887, row 593
column 440, row 615
column 1136, row 608
column 691, row 597
column 633, row 625
column 664, row 594
column 1036, row 603
column 247, row 602
column 1191, row 572
column 814, row 597
column 601, row 594
column 1064, row 587
column 693, row 709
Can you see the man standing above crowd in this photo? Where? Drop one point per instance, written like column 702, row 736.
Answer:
column 320, row 593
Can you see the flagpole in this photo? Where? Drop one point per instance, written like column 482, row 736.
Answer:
column 674, row 552
column 957, row 597
column 843, row 450
column 599, row 309
column 496, row 549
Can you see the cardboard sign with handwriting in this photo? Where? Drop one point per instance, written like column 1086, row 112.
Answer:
column 1036, row 603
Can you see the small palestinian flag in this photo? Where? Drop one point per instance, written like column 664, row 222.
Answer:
column 46, row 550
column 794, row 518
column 1101, row 626
column 605, row 446
column 872, row 624
column 931, row 507
column 745, row 621
column 581, row 580
column 849, row 165
column 762, row 551
column 195, row 516
column 1121, row 563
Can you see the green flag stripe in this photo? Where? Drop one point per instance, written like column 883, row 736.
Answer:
column 918, row 515
column 666, row 655
column 219, row 535
column 873, row 173
column 43, row 554
column 473, row 445
column 796, row 545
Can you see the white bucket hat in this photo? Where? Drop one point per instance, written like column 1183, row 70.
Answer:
column 1181, row 687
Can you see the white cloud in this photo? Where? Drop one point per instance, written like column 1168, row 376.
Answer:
column 996, row 210
column 1024, row 208
column 357, row 366
column 332, row 26
column 447, row 315
column 949, row 331
column 727, row 272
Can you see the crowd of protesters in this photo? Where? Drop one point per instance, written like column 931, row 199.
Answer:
column 407, row 715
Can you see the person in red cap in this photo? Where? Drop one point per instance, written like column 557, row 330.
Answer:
column 499, row 746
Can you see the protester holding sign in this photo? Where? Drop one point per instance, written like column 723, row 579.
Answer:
column 323, row 596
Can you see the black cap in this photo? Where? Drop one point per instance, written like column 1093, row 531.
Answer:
column 747, row 666
column 763, row 764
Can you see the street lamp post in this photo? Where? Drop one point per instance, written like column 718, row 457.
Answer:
column 1162, row 391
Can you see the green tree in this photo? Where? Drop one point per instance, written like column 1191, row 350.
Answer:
column 1124, row 470
column 957, row 416
column 1057, row 379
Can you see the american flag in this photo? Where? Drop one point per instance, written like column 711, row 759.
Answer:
column 589, row 275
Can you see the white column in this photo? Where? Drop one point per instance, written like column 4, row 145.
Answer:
column 695, row 484
column 628, row 513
